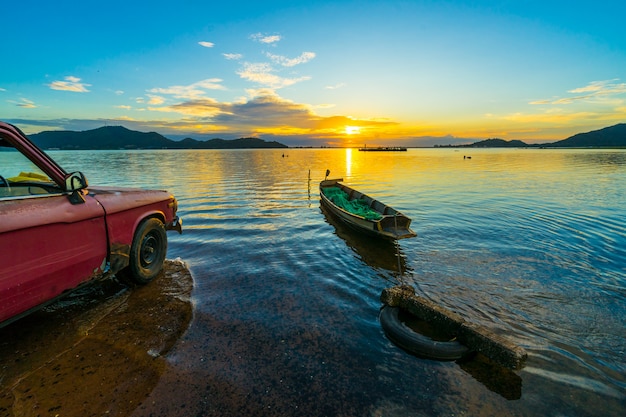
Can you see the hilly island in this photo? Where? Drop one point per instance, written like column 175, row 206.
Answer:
column 608, row 137
column 119, row 137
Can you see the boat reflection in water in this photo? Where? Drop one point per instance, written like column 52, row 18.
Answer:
column 377, row 253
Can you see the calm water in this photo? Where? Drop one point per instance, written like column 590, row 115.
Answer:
column 530, row 243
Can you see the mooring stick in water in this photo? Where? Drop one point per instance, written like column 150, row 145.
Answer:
column 395, row 220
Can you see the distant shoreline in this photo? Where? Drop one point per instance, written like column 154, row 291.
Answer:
column 121, row 138
column 339, row 147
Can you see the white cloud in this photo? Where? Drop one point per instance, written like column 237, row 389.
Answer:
column 268, row 39
column 206, row 44
column 123, row 107
column 595, row 90
column 71, row 83
column 261, row 73
column 25, row 104
column 598, row 86
column 155, row 100
column 287, row 62
column 233, row 56
column 540, row 102
column 336, row 86
column 191, row 91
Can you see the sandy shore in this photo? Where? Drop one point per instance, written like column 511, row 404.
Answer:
column 98, row 352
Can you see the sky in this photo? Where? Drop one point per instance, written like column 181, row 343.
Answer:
column 317, row 73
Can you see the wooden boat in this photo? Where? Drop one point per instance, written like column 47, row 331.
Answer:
column 371, row 216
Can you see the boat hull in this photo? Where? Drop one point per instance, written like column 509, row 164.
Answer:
column 392, row 224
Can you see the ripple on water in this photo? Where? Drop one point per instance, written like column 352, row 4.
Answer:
column 516, row 240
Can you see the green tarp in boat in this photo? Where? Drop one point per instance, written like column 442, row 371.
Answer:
column 356, row 206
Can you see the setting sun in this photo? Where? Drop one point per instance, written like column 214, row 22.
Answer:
column 352, row 130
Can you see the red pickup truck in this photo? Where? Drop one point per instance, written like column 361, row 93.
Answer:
column 58, row 233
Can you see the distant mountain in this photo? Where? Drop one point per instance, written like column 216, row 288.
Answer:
column 242, row 143
column 109, row 137
column 610, row 137
column 118, row 137
column 499, row 143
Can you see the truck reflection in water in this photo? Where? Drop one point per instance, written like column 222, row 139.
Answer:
column 102, row 345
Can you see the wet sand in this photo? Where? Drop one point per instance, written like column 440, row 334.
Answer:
column 97, row 352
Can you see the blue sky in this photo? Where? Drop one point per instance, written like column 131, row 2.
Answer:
column 317, row 73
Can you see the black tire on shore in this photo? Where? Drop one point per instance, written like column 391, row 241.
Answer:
column 416, row 343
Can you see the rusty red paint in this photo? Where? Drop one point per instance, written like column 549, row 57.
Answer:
column 52, row 243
